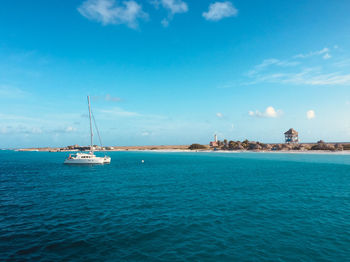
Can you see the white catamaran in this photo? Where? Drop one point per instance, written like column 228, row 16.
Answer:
column 88, row 158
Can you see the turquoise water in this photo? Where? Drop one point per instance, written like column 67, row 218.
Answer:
column 175, row 207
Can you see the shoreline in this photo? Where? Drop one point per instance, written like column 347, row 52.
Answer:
column 176, row 150
column 225, row 147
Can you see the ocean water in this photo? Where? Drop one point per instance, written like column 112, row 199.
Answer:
column 175, row 207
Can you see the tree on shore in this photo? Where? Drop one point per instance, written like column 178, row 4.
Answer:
column 225, row 144
column 245, row 144
column 197, row 146
column 258, row 146
column 231, row 145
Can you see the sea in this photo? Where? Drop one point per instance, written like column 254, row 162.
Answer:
column 175, row 206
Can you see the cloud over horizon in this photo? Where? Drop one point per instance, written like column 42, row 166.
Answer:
column 269, row 112
column 219, row 115
column 310, row 114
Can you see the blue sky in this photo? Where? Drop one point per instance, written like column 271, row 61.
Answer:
column 173, row 71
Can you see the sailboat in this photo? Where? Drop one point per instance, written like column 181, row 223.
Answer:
column 88, row 158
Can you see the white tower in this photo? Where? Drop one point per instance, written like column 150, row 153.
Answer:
column 215, row 138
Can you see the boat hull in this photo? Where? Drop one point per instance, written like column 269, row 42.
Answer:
column 106, row 160
column 93, row 161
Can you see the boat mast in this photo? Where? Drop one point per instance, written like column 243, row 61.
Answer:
column 91, row 134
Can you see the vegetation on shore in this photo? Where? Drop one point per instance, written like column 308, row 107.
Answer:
column 197, row 146
column 221, row 145
column 258, row 146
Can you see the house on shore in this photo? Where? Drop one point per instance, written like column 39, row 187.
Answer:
column 291, row 136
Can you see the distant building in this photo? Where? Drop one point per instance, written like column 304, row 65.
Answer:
column 291, row 136
column 215, row 142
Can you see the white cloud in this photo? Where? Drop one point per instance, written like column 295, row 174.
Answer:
column 219, row 115
column 20, row 129
column 270, row 112
column 320, row 52
column 108, row 97
column 344, row 63
column 272, row 62
column 110, row 12
column 295, row 72
column 328, row 79
column 310, row 114
column 308, row 76
column 62, row 130
column 119, row 112
column 173, row 7
column 70, row 129
column 220, row 10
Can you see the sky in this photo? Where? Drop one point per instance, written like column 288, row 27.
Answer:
column 170, row 72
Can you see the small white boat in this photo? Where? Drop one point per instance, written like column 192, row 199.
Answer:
column 88, row 158
column 84, row 158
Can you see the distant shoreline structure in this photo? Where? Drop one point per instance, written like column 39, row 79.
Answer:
column 225, row 146
column 291, row 144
